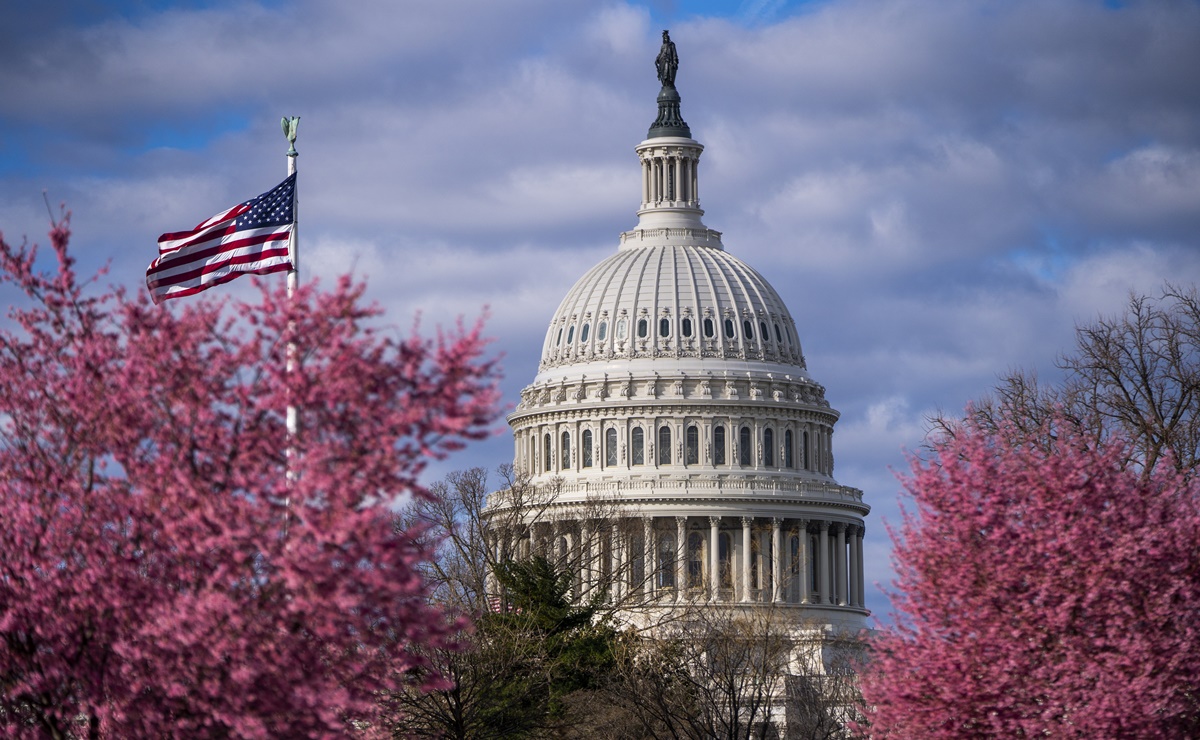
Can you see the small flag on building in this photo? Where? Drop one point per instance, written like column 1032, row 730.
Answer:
column 251, row 237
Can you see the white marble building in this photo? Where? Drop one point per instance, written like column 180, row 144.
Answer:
column 673, row 395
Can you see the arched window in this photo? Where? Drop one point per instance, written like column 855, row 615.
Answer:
column 642, row 329
column 748, row 330
column 602, row 331
column 664, row 445
column 571, row 334
column 565, row 449
column 769, row 448
column 804, row 447
column 709, row 329
column 729, row 328
column 621, row 329
column 587, row 448
column 639, row 446
column 692, row 446
column 686, row 327
column 719, row 445
column 583, row 333
column 695, row 560
column 546, row 452
column 664, row 327
column 666, row 560
column 789, row 460
column 610, row 446
column 744, row 447
column 725, row 559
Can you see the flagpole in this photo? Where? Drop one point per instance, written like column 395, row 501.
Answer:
column 293, row 278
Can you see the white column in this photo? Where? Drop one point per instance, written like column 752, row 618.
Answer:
column 746, row 521
column 648, row 563
column 776, row 560
column 714, row 562
column 842, row 585
column 680, row 556
column 618, row 567
column 585, row 558
column 823, row 562
column 802, row 566
column 852, row 570
column 858, row 546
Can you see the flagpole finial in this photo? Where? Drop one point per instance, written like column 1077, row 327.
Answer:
column 289, row 130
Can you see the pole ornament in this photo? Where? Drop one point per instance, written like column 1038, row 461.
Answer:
column 289, row 130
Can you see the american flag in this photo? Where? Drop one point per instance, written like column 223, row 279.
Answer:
column 251, row 237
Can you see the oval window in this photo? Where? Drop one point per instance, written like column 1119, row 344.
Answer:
column 762, row 329
column 748, row 328
column 778, row 335
column 571, row 334
column 664, row 327
column 729, row 328
column 602, row 331
column 621, row 329
column 708, row 328
column 643, row 328
column 558, row 341
column 686, row 326
column 583, row 333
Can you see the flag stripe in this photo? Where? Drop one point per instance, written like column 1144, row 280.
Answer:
column 246, row 240
column 244, row 259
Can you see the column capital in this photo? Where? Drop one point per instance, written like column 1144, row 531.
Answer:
column 747, row 521
column 823, row 525
column 714, row 521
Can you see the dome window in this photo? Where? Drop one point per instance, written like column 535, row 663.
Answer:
column 719, row 445
column 587, row 448
column 621, row 329
column 546, row 452
column 789, row 459
column 769, row 448
column 583, row 333
column 748, row 330
column 643, row 328
column 708, row 328
column 664, row 445
column 729, row 328
column 692, row 446
column 638, row 443
column 778, row 335
column 686, row 327
column 744, row 447
column 558, row 342
column 571, row 334
column 664, row 327
column 762, row 329
column 566, row 451
column 602, row 331
column 610, row 446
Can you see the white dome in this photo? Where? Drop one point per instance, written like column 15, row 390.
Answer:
column 669, row 302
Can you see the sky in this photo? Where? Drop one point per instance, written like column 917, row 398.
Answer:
column 939, row 191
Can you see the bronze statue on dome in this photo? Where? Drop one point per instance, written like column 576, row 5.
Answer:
column 667, row 61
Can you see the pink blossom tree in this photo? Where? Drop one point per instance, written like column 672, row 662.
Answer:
column 1041, row 590
column 162, row 571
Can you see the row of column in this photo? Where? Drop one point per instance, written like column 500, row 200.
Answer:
column 670, row 179
column 540, row 447
column 656, row 559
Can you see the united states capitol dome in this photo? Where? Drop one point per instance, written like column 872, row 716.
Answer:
column 677, row 448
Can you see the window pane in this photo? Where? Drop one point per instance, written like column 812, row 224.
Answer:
column 693, row 446
column 686, row 327
column 666, row 561
column 602, row 331
column 610, row 443
column 768, row 448
column 587, row 448
column 744, row 446
column 642, row 329
column 583, row 333
column 546, row 452
column 664, row 445
column 748, row 330
column 718, row 445
column 728, row 328
column 566, row 451
column 708, row 328
column 788, row 457
column 664, row 327
column 639, row 446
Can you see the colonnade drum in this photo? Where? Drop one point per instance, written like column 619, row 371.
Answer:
column 715, row 559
